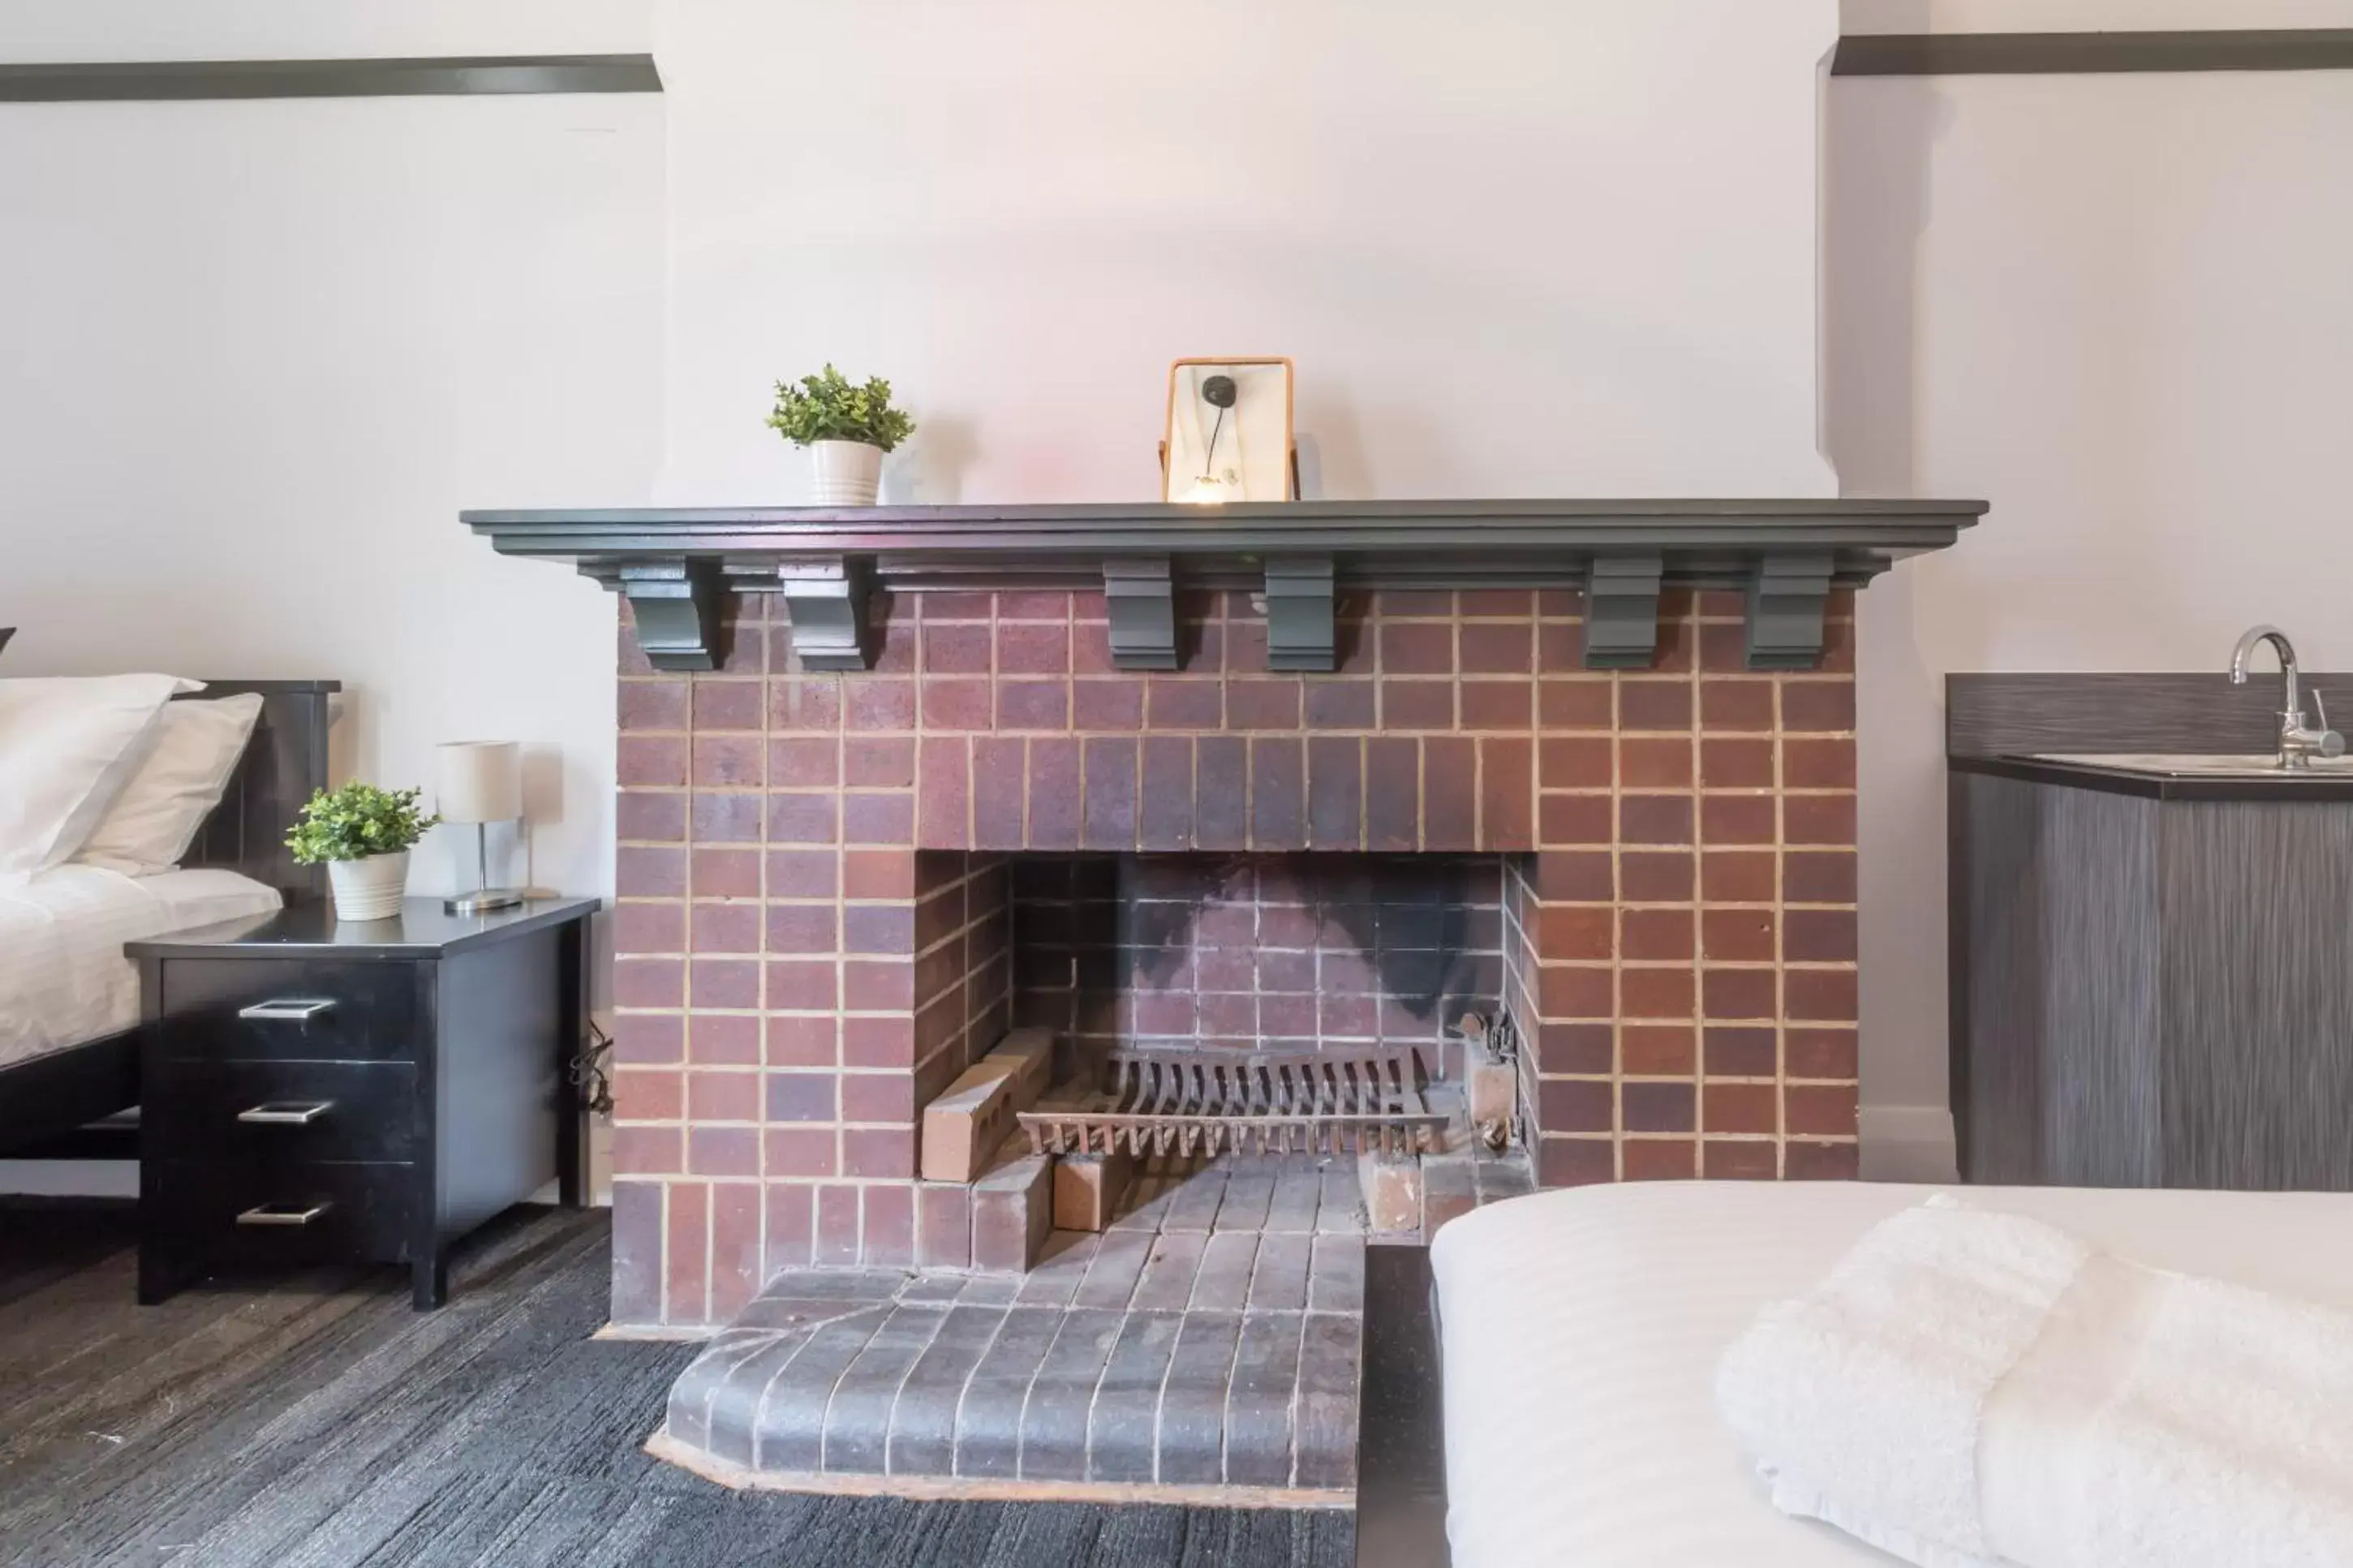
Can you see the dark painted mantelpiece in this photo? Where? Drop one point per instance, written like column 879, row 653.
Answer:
column 675, row 567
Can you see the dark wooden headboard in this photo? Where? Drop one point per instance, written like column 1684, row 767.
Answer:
column 284, row 762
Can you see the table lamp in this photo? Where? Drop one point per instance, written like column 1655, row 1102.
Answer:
column 479, row 782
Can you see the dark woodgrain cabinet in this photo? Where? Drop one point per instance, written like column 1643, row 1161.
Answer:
column 2152, row 982
column 314, row 1091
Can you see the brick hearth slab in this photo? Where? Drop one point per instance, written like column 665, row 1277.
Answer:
column 1207, row 1344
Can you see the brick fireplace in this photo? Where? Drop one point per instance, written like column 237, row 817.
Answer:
column 837, row 889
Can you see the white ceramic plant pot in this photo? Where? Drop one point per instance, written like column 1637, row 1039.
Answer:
column 849, row 473
column 369, row 889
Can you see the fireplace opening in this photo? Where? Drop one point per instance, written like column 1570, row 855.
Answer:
column 1259, row 953
column 1343, row 1010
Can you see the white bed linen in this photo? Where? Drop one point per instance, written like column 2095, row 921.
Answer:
column 1581, row 1331
column 63, row 978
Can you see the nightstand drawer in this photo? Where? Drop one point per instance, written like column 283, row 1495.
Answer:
column 280, row 1112
column 285, row 1009
column 280, row 1213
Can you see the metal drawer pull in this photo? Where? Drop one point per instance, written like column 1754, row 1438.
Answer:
column 300, row 1010
column 287, row 1113
column 284, row 1214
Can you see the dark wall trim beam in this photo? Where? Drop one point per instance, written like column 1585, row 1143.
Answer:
column 2046, row 54
column 131, row 81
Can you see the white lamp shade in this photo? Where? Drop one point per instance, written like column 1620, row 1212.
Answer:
column 478, row 780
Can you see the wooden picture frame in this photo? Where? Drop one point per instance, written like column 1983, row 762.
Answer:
column 1244, row 451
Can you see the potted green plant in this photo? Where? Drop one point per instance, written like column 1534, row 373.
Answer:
column 364, row 834
column 847, row 428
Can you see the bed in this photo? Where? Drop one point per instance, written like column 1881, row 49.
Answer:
column 1579, row 1332
column 69, row 1000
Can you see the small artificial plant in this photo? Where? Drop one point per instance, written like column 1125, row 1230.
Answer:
column 356, row 822
column 827, row 407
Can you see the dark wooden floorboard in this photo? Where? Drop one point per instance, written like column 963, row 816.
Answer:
column 318, row 1423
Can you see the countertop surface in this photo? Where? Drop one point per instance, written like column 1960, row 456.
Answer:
column 2333, row 786
column 421, row 930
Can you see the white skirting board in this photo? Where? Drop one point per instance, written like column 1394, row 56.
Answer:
column 1908, row 1143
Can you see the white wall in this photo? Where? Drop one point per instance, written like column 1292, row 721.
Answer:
column 2116, row 307
column 260, row 355
column 308, row 30
column 1534, row 246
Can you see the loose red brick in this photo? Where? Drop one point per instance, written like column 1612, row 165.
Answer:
column 1269, row 702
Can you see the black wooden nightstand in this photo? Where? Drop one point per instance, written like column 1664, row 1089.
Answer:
column 314, row 1090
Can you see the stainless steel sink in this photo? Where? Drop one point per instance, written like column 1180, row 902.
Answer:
column 2185, row 765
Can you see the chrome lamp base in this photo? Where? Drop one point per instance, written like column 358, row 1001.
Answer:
column 482, row 902
column 484, row 898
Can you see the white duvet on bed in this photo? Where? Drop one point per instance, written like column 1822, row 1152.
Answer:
column 1582, row 1331
column 63, row 978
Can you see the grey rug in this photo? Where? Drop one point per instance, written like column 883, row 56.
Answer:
column 316, row 1422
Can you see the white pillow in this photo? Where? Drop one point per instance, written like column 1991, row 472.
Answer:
column 68, row 747
column 192, row 751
